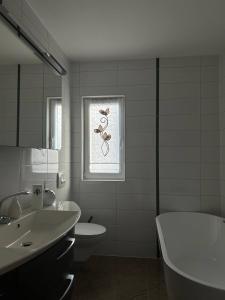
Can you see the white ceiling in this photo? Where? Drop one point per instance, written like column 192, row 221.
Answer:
column 13, row 50
column 124, row 29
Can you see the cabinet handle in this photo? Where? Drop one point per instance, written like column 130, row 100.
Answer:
column 71, row 242
column 69, row 278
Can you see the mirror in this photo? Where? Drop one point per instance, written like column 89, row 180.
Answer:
column 12, row 53
column 40, row 120
column 30, row 96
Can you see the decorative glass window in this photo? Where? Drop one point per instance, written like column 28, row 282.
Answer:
column 103, row 126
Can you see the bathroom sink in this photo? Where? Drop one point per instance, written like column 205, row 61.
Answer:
column 37, row 229
column 32, row 234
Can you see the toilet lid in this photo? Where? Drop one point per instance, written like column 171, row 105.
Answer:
column 90, row 229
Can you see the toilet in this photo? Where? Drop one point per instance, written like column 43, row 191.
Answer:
column 88, row 236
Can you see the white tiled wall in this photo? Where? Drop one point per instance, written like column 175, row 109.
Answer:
column 189, row 134
column 126, row 208
column 20, row 167
column 189, row 146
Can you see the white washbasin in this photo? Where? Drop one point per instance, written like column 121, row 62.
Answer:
column 37, row 229
column 33, row 233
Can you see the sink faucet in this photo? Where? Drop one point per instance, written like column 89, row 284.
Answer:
column 7, row 219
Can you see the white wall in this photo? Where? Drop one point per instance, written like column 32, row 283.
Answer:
column 20, row 167
column 126, row 208
column 189, row 146
column 189, row 134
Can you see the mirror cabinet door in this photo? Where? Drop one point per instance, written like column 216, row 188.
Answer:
column 31, row 105
column 30, row 97
column 40, row 124
column 8, row 104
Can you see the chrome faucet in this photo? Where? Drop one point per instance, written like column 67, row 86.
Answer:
column 7, row 219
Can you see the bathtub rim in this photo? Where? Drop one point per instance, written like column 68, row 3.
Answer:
column 166, row 258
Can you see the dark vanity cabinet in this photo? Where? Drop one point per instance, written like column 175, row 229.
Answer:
column 46, row 277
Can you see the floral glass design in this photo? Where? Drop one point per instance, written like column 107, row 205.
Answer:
column 103, row 135
column 101, row 130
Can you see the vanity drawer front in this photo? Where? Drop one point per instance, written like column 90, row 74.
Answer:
column 68, row 245
column 8, row 286
column 41, row 277
column 64, row 290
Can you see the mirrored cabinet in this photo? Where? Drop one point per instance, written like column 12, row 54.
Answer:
column 40, row 122
column 30, row 94
column 8, row 104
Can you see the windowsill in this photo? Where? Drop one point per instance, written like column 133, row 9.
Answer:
column 100, row 179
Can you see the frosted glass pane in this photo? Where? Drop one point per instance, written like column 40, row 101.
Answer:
column 104, row 154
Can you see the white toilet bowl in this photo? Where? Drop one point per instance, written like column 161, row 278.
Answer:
column 88, row 237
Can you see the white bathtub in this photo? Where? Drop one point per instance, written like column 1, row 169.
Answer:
column 193, row 250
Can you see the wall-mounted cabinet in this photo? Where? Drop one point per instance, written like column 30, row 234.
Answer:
column 39, row 122
column 30, row 93
column 8, row 104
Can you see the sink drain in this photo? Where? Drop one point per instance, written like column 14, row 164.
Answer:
column 26, row 244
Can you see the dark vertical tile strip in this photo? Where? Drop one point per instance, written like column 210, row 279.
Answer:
column 18, row 106
column 157, row 147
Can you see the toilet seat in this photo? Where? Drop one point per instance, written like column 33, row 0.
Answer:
column 89, row 230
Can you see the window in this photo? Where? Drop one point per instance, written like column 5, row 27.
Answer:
column 103, row 124
column 54, row 123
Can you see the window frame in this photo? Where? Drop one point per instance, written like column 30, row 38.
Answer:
column 85, row 157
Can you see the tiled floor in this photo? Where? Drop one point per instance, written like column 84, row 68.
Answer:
column 116, row 278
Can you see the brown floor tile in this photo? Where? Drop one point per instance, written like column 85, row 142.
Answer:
column 116, row 278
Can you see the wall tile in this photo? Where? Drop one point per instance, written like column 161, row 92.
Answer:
column 106, row 217
column 140, row 108
column 180, row 170
column 180, row 138
column 140, row 170
column 210, row 74
column 180, row 122
column 180, row 154
column 180, row 202
column 98, row 200
column 136, row 201
column 136, row 186
column 189, row 146
column 136, row 64
column 188, row 61
column 98, row 78
column 210, row 187
column 209, row 90
column 140, row 139
column 183, row 91
column 180, row 186
column 95, row 66
column 140, row 154
column 179, row 106
column 140, row 124
column 209, row 106
column 211, row 204
column 171, row 75
column 135, row 77
column 189, row 132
